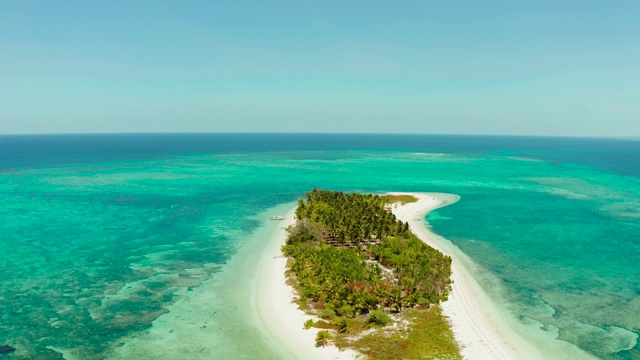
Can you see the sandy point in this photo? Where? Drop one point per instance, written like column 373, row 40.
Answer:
column 481, row 328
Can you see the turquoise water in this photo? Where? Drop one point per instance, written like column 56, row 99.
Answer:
column 95, row 252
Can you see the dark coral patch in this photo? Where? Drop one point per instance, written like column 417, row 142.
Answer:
column 6, row 349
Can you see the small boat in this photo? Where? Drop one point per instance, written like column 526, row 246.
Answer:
column 278, row 217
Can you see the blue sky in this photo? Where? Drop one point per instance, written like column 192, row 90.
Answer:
column 476, row 67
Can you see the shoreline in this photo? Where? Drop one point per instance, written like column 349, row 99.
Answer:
column 279, row 316
column 481, row 328
column 215, row 319
column 254, row 282
column 476, row 334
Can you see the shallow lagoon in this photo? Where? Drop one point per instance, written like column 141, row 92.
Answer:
column 95, row 252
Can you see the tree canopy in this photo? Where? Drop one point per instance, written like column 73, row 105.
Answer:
column 351, row 256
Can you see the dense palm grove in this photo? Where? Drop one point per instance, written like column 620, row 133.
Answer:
column 350, row 218
column 352, row 256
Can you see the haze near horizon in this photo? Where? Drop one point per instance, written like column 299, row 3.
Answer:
column 535, row 68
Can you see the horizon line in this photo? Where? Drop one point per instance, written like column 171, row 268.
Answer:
column 321, row 133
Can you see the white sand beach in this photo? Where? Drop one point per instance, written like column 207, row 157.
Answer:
column 256, row 281
column 482, row 329
column 478, row 335
column 281, row 317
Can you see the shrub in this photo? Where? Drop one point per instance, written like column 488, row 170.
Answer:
column 341, row 325
column 378, row 317
column 304, row 231
column 308, row 324
column 321, row 324
column 328, row 314
column 347, row 310
column 323, row 337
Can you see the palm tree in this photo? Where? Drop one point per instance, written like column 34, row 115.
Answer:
column 323, row 337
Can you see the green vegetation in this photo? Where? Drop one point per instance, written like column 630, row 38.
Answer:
column 378, row 317
column 402, row 199
column 323, row 337
column 347, row 219
column 428, row 336
column 308, row 324
column 354, row 264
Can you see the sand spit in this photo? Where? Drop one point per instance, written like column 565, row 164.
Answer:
column 252, row 288
column 483, row 330
column 279, row 315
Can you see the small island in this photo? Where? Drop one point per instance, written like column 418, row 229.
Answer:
column 369, row 282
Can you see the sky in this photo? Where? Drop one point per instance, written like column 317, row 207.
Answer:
column 556, row 68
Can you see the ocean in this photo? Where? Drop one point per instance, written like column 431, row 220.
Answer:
column 109, row 238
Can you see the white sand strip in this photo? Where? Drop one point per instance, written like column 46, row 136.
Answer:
column 279, row 315
column 477, row 336
column 482, row 330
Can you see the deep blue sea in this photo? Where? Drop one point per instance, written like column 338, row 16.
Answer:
column 105, row 236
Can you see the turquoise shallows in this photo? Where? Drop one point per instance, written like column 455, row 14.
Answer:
column 93, row 253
